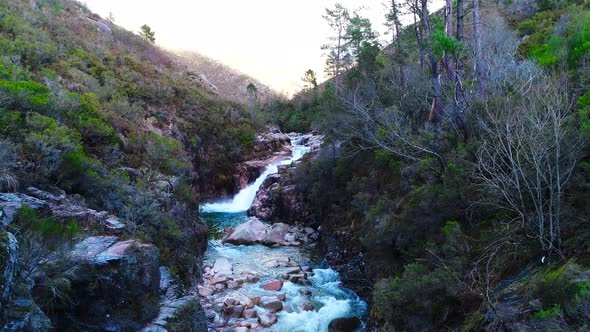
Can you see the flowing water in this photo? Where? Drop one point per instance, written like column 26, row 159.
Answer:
column 329, row 299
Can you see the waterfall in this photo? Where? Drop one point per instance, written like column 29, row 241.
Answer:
column 244, row 199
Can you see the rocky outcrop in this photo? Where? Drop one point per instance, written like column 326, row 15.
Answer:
column 61, row 207
column 269, row 148
column 8, row 261
column 182, row 314
column 256, row 232
column 278, row 199
column 117, row 283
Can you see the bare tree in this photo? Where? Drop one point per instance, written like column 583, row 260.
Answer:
column 529, row 148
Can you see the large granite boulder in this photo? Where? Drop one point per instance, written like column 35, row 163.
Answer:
column 278, row 199
column 116, row 283
column 251, row 232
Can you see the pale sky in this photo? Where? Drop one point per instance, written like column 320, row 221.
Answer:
column 275, row 41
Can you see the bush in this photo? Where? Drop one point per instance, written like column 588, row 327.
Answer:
column 49, row 143
column 414, row 301
column 24, row 95
column 8, row 178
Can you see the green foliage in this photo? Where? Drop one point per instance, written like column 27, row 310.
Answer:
column 549, row 44
column 47, row 227
column 161, row 153
column 419, row 292
column 584, row 111
column 24, row 95
column 450, row 227
column 147, row 33
column 556, row 287
column 584, row 289
column 548, row 313
column 441, row 44
column 11, row 123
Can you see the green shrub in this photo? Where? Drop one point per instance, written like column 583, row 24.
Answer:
column 48, row 227
column 419, row 292
column 548, row 313
column 49, row 143
column 450, row 227
column 24, row 95
column 11, row 123
column 556, row 287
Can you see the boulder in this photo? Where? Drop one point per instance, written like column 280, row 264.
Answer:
column 205, row 291
column 276, row 234
column 279, row 200
column 249, row 313
column 267, row 319
column 347, row 324
column 272, row 285
column 116, row 278
column 271, row 304
column 251, row 232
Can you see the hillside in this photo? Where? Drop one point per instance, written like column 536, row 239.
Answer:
column 107, row 144
column 222, row 80
column 452, row 187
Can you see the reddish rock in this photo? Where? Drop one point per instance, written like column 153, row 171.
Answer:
column 267, row 319
column 249, row 313
column 272, row 285
column 305, row 306
column 217, row 280
column 272, row 304
column 205, row 291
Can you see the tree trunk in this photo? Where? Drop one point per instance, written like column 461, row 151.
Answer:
column 460, row 28
column 479, row 62
column 419, row 35
column 449, row 34
column 435, row 116
column 398, row 39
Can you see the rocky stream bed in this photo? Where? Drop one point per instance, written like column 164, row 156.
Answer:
column 264, row 277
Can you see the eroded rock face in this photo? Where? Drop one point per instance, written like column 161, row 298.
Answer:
column 278, row 199
column 269, row 148
column 60, row 208
column 118, row 282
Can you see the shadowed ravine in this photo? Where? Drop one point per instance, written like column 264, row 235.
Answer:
column 310, row 295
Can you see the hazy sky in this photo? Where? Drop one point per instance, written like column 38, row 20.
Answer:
column 275, row 41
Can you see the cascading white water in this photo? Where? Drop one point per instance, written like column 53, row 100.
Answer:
column 244, row 199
